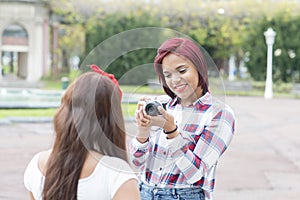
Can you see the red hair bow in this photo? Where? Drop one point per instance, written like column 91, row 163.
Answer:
column 95, row 68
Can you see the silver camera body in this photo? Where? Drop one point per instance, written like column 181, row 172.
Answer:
column 151, row 107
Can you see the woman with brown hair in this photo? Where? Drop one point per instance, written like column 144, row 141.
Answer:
column 88, row 158
column 177, row 151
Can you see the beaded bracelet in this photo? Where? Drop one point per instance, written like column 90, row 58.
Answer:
column 169, row 132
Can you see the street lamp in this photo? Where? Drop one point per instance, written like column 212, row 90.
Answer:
column 270, row 37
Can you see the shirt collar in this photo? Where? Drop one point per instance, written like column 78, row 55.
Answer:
column 203, row 100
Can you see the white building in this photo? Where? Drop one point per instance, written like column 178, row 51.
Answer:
column 24, row 33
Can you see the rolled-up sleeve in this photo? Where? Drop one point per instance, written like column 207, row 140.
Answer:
column 139, row 153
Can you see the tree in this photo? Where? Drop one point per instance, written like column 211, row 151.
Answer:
column 102, row 28
column 71, row 16
column 285, row 59
column 222, row 28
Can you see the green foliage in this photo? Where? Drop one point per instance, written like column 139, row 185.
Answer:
column 74, row 74
column 283, row 88
column 99, row 29
column 238, row 31
column 134, row 61
column 219, row 34
column 286, row 51
column 258, row 85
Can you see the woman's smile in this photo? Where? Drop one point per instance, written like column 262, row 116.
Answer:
column 180, row 88
column 182, row 78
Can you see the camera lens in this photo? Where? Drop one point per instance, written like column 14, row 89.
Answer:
column 151, row 108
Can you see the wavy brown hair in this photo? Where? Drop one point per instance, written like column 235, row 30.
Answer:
column 89, row 118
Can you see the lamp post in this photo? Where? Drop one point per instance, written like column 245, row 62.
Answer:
column 270, row 37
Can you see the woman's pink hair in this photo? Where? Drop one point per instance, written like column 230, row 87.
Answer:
column 187, row 49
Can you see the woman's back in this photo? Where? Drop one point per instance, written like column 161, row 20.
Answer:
column 102, row 177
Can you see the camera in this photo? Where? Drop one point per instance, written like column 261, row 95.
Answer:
column 151, row 107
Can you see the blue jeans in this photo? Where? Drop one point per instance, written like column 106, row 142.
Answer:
column 153, row 193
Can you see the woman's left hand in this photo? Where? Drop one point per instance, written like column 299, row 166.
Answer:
column 165, row 120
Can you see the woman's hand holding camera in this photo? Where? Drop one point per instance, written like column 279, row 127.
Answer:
column 166, row 122
column 144, row 121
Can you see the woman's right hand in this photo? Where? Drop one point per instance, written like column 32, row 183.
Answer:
column 143, row 121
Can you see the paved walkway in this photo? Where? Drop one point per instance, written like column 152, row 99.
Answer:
column 263, row 161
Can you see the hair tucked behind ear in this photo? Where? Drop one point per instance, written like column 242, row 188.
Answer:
column 89, row 118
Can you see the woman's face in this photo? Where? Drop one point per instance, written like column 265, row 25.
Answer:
column 182, row 78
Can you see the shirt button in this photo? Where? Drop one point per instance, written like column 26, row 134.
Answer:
column 165, row 153
column 160, row 169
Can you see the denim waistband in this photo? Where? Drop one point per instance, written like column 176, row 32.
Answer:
column 166, row 191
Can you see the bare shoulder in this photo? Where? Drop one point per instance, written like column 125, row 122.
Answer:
column 42, row 160
column 128, row 190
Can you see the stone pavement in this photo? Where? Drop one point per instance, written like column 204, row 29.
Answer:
column 262, row 162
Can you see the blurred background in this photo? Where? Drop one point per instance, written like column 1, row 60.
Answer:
column 43, row 41
column 44, row 45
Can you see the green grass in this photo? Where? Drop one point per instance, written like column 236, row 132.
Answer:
column 128, row 110
column 140, row 89
column 52, row 85
column 280, row 90
column 27, row 112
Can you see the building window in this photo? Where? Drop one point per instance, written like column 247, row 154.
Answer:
column 15, row 34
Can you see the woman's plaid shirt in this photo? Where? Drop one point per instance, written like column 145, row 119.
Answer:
column 189, row 160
